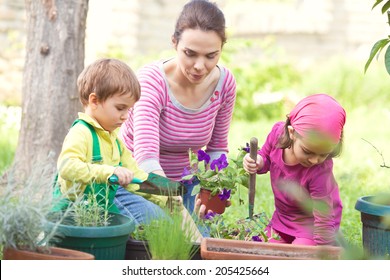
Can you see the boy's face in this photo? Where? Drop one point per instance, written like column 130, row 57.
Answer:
column 113, row 112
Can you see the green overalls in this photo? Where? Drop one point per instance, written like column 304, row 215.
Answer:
column 98, row 189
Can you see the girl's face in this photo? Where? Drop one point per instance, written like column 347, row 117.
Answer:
column 306, row 152
column 111, row 113
column 198, row 53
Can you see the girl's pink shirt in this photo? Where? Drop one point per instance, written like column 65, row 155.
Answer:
column 287, row 181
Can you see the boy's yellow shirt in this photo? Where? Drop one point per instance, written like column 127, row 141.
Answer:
column 74, row 162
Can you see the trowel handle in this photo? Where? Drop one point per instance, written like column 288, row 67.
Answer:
column 115, row 181
column 252, row 177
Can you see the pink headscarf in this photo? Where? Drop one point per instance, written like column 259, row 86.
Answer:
column 321, row 113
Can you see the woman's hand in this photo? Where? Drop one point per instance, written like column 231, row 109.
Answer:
column 200, row 209
column 251, row 166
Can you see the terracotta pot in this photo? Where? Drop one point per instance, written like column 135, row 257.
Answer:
column 213, row 203
column 227, row 249
column 54, row 253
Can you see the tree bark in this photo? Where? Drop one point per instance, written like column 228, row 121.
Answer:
column 54, row 58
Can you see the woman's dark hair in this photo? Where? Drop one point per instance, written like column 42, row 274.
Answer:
column 285, row 141
column 203, row 15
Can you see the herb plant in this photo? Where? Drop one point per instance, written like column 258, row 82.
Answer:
column 24, row 211
column 168, row 238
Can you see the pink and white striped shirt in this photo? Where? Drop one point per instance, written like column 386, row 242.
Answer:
column 160, row 130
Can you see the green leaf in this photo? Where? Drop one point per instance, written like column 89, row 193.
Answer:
column 195, row 190
column 387, row 59
column 188, row 177
column 386, row 7
column 377, row 2
column 209, row 173
column 378, row 46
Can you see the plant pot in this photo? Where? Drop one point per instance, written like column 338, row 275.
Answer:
column 137, row 250
column 213, row 203
column 228, row 249
column 54, row 253
column 105, row 243
column 375, row 229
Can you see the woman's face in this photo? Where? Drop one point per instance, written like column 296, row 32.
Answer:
column 198, row 53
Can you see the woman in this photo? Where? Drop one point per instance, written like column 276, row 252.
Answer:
column 186, row 101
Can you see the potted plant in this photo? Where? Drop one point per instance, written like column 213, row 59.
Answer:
column 169, row 238
column 24, row 213
column 375, row 217
column 228, row 249
column 375, row 209
column 92, row 228
column 218, row 179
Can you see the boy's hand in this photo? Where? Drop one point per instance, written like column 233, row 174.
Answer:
column 250, row 165
column 125, row 176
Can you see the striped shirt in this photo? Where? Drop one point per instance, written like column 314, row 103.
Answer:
column 160, row 130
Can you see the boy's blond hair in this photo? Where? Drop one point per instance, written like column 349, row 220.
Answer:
column 107, row 77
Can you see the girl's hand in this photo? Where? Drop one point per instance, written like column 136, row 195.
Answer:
column 125, row 176
column 250, row 165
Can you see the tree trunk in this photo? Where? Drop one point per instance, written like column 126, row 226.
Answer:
column 54, row 58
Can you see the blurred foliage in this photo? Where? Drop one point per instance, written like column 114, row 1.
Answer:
column 382, row 43
column 268, row 84
column 9, row 130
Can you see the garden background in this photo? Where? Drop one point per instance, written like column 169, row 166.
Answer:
column 279, row 51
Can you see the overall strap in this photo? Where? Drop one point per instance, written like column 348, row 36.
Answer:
column 96, row 156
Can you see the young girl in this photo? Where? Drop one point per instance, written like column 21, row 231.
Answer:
column 298, row 154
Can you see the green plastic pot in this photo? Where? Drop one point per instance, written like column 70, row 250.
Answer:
column 375, row 224
column 105, row 243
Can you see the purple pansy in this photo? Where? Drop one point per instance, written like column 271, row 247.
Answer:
column 225, row 195
column 221, row 163
column 202, row 155
column 246, row 148
column 209, row 216
column 256, row 238
column 186, row 172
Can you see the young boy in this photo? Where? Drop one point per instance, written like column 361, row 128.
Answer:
column 108, row 88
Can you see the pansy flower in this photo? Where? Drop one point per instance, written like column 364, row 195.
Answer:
column 221, row 163
column 225, row 195
column 186, row 172
column 256, row 238
column 209, row 216
column 246, row 148
column 202, row 155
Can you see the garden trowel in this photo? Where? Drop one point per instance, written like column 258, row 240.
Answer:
column 155, row 184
